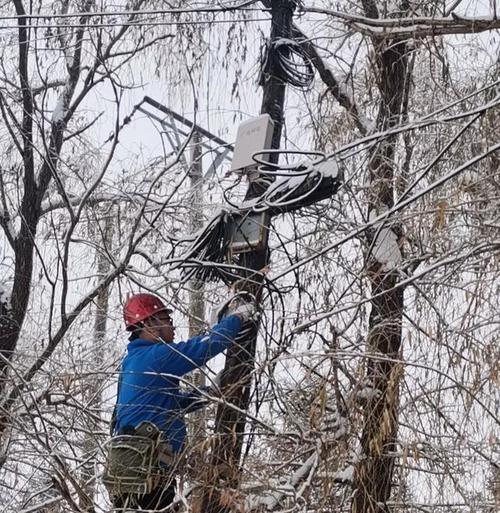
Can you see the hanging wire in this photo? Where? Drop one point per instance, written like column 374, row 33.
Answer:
column 220, row 8
column 287, row 57
column 294, row 185
column 291, row 186
column 126, row 23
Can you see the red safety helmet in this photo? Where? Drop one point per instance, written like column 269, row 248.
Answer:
column 139, row 307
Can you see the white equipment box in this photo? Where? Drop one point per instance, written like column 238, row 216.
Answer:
column 254, row 135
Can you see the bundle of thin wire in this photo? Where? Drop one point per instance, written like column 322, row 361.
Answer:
column 292, row 186
column 289, row 187
column 206, row 256
column 292, row 65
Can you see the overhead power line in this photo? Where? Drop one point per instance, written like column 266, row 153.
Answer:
column 196, row 10
column 138, row 23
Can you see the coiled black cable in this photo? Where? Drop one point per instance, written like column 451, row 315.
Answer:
column 292, row 64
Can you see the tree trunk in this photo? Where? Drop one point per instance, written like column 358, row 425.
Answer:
column 374, row 470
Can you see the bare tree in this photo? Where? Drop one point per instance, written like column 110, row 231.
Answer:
column 375, row 367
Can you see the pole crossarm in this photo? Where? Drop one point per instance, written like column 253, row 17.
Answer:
column 187, row 122
column 214, row 144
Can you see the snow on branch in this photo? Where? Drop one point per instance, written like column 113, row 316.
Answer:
column 60, row 109
column 419, row 31
column 289, row 489
column 385, row 246
column 414, row 27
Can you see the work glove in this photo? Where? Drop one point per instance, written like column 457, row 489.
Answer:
column 241, row 304
column 244, row 307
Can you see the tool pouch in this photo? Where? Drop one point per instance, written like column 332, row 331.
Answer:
column 136, row 462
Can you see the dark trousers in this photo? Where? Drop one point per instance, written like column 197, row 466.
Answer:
column 160, row 498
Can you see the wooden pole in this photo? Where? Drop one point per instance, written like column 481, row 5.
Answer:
column 224, row 469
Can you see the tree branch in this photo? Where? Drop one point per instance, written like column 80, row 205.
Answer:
column 413, row 27
column 331, row 82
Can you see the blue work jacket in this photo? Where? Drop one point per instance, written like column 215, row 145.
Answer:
column 149, row 380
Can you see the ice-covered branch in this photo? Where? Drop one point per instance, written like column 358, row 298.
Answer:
column 334, row 86
column 413, row 27
column 273, row 499
column 398, row 207
column 422, row 30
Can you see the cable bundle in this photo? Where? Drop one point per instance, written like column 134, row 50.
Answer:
column 206, row 257
column 288, row 57
column 302, row 188
column 295, row 186
column 292, row 186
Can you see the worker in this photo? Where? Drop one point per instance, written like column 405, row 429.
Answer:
column 150, row 403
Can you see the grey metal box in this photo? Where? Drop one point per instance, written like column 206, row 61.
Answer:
column 248, row 231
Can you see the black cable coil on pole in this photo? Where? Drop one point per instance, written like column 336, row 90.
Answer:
column 288, row 57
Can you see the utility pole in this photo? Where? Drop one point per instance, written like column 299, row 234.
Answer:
column 224, row 468
column 196, row 313
column 93, row 391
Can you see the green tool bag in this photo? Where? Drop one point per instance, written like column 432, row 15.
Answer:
column 133, row 461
